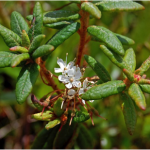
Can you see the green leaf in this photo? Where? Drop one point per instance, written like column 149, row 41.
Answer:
column 36, row 42
column 18, row 23
column 18, row 49
column 42, row 51
column 129, row 74
column 98, row 68
column 81, row 116
column 63, row 34
column 65, row 133
column 10, row 38
column 85, row 139
column 57, row 107
column 107, row 37
column 115, row 58
column 25, row 82
column 6, row 58
column 144, row 67
column 25, row 39
column 130, row 59
column 124, row 40
column 104, row 90
column 37, row 22
column 41, row 139
column 52, row 124
column 76, row 1
column 46, row 116
column 29, row 17
column 115, row 6
column 137, row 95
column 59, row 15
column 58, row 25
column 19, row 58
column 129, row 112
column 49, row 141
column 91, row 9
column 145, row 88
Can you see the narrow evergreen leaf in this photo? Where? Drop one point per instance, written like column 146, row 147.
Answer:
column 65, row 133
column 6, row 58
column 85, row 139
column 115, row 6
column 104, row 90
column 25, row 39
column 10, row 38
column 18, row 49
column 19, row 58
column 115, row 58
column 145, row 88
column 98, row 68
column 59, row 15
column 130, row 59
column 52, row 124
column 36, row 42
column 91, row 9
column 63, row 34
column 80, row 116
column 124, row 40
column 41, row 139
column 37, row 22
column 144, row 67
column 42, row 51
column 25, row 82
column 46, row 116
column 18, row 23
column 50, row 140
column 57, row 107
column 58, row 25
column 137, row 95
column 129, row 112
column 107, row 37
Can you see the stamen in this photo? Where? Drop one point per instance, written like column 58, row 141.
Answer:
column 66, row 58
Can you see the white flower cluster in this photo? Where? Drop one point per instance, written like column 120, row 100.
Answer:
column 71, row 76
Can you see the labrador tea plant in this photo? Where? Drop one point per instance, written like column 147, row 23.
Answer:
column 65, row 112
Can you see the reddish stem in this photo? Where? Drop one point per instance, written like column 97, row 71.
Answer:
column 45, row 74
column 83, row 33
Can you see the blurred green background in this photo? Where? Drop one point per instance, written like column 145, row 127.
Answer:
column 17, row 130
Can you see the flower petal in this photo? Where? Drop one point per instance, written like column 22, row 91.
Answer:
column 83, row 101
column 85, row 82
column 70, row 64
column 81, row 91
column 69, row 85
column 63, row 79
column 76, row 84
column 70, row 72
column 91, row 101
column 61, row 63
column 71, row 92
column 58, row 70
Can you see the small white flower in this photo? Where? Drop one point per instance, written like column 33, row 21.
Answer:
column 71, row 92
column 74, row 75
column 64, row 67
column 84, row 89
